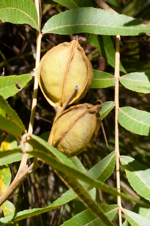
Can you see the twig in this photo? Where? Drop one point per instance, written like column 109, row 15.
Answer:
column 117, row 75
column 16, row 182
column 104, row 5
column 24, row 170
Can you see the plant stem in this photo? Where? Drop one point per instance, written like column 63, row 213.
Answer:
column 35, row 88
column 24, row 170
column 117, row 75
column 104, row 5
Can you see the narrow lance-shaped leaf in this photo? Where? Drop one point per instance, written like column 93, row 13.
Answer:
column 105, row 47
column 10, row 85
column 11, row 113
column 75, row 3
column 58, row 165
column 102, row 80
column 12, row 123
column 96, row 21
column 138, row 81
column 138, row 176
column 134, row 120
column 10, row 156
column 87, row 218
column 135, row 219
column 107, row 164
column 5, row 179
column 107, row 107
column 6, row 154
column 19, row 12
column 84, row 197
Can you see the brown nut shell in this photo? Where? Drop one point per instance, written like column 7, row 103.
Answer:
column 75, row 128
column 61, row 69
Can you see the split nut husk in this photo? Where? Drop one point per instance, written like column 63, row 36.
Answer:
column 75, row 128
column 63, row 68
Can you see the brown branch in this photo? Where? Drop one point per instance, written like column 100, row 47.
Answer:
column 24, row 170
column 104, row 5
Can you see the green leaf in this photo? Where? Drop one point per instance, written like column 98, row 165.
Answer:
column 138, row 81
column 110, row 52
column 135, row 219
column 69, row 169
column 125, row 223
column 10, row 85
column 84, row 197
column 103, row 169
column 5, row 178
column 78, row 164
column 96, row 21
column 8, row 208
column 134, row 120
column 107, row 107
column 75, row 3
column 113, row 2
column 102, row 80
column 12, row 123
column 106, row 164
column 65, row 198
column 19, row 12
column 88, row 219
column 138, row 176
column 144, row 212
column 9, row 142
column 10, row 127
column 105, row 47
column 10, row 156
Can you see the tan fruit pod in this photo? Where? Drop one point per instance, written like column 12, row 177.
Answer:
column 63, row 68
column 75, row 128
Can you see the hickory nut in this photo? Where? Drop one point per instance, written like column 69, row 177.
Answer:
column 63, row 68
column 75, row 128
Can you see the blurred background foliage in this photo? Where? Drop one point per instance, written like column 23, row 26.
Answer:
column 17, row 56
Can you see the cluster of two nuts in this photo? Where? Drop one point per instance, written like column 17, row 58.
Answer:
column 65, row 75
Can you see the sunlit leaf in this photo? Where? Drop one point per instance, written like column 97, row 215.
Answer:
column 135, row 219
column 144, row 212
column 134, row 120
column 107, row 107
column 103, row 169
column 10, row 85
column 138, row 176
column 96, row 21
column 102, row 80
column 19, row 12
column 137, row 81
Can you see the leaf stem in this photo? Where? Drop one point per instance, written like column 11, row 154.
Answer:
column 35, row 88
column 117, row 75
column 103, row 5
column 24, row 170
